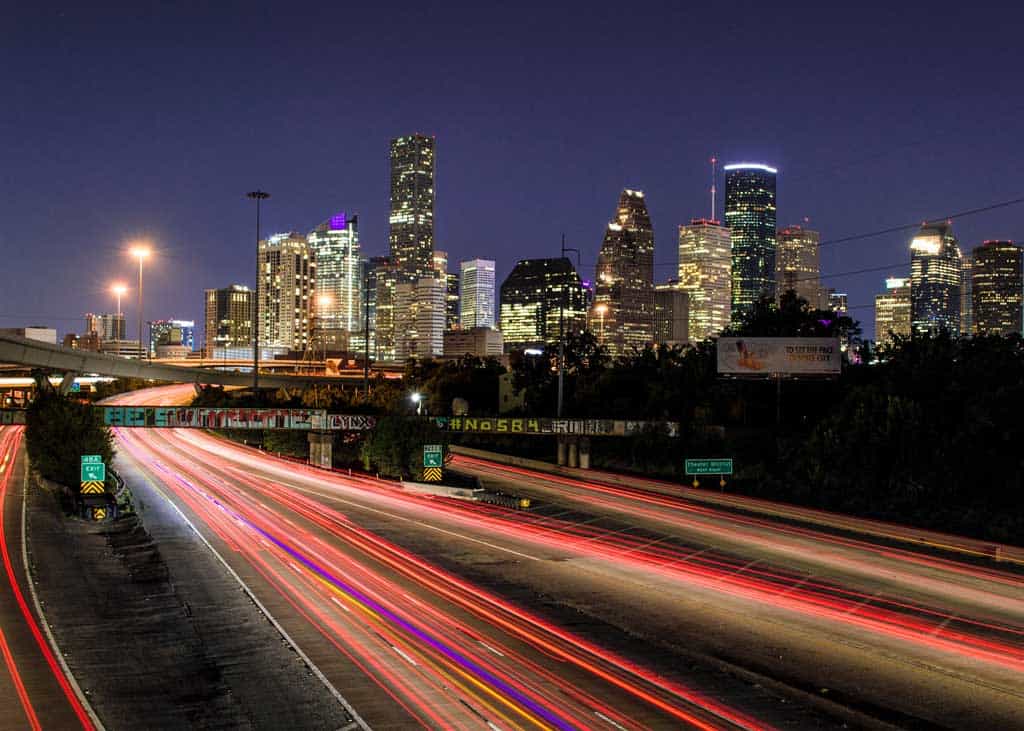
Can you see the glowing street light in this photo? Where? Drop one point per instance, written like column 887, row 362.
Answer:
column 323, row 302
column 141, row 253
column 601, row 309
column 118, row 289
column 417, row 398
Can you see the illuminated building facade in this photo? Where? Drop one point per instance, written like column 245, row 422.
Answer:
column 171, row 332
column 420, row 318
column 750, row 217
column 536, row 297
column 106, row 327
column 797, row 265
column 476, row 292
column 451, row 279
column 337, row 302
column 385, row 288
column 892, row 311
column 935, row 280
column 624, row 294
column 228, row 318
column 996, row 288
column 671, row 314
column 705, row 274
column 411, row 234
column 287, row 273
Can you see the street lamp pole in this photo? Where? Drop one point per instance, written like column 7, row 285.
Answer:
column 140, row 253
column 366, row 333
column 258, row 196
column 561, row 330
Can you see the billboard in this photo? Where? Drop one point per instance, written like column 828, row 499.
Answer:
column 543, row 427
column 779, row 356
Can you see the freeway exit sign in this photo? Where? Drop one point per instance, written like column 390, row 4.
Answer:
column 433, row 455
column 93, row 469
column 709, row 466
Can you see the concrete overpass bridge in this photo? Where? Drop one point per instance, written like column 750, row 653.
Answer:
column 70, row 363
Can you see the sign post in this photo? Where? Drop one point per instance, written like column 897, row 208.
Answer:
column 433, row 462
column 93, row 474
column 720, row 467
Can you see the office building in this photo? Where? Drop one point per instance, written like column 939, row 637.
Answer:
column 482, row 342
column 476, row 291
column 892, row 311
column 838, row 302
column 411, row 233
column 996, row 288
column 287, row 275
column 228, row 318
column 797, row 265
column 337, row 301
column 107, row 327
column 122, row 348
column 179, row 333
column 935, row 280
column 419, row 315
column 373, row 274
column 671, row 314
column 966, row 299
column 384, row 329
column 705, row 274
column 34, row 332
column 750, row 217
column 540, row 299
column 624, row 294
column 451, row 280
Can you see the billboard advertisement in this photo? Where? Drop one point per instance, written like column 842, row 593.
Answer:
column 779, row 356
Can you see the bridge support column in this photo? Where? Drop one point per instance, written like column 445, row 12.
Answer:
column 560, row 443
column 321, row 448
column 584, row 453
column 573, row 453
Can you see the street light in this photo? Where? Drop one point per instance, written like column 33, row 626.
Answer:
column 417, row 398
column 118, row 289
column 323, row 301
column 258, row 196
column 141, row 253
column 600, row 309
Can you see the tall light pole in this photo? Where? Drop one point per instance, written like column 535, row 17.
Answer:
column 561, row 329
column 140, row 253
column 366, row 332
column 118, row 289
column 600, row 309
column 322, row 303
column 258, row 196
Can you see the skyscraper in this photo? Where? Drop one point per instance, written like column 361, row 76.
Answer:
column 337, row 302
column 411, row 221
column 287, row 274
column 106, row 327
column 537, row 298
column 420, row 318
column 935, row 280
column 384, row 326
column 997, row 288
column 229, row 319
column 705, row 266
column 750, row 217
column 451, row 280
column 625, row 277
column 373, row 269
column 796, row 264
column 476, row 292
column 671, row 314
column 892, row 311
column 966, row 300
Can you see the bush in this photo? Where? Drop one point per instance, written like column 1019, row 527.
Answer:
column 59, row 431
column 395, row 448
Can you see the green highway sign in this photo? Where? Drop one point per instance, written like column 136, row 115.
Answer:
column 709, row 466
column 93, row 469
column 433, row 455
column 76, row 387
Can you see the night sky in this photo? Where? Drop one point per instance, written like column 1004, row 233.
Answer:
column 153, row 120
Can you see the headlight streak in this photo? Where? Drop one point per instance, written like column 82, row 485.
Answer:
column 461, row 658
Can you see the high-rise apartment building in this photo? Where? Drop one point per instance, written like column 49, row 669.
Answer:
column 892, row 311
column 624, row 296
column 750, row 217
column 476, row 292
column 420, row 318
column 229, row 314
column 997, row 288
column 705, row 269
column 539, row 299
column 411, row 235
column 671, row 314
column 337, row 302
column 797, row 265
column 935, row 280
column 106, row 327
column 287, row 273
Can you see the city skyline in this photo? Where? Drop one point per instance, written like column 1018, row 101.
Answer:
column 862, row 166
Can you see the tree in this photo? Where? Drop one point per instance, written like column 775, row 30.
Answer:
column 395, row 447
column 59, row 431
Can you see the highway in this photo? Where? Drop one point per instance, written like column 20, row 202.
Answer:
column 839, row 622
column 35, row 692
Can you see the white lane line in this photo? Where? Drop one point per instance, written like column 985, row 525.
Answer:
column 404, row 656
column 499, row 654
column 341, row 604
column 608, row 720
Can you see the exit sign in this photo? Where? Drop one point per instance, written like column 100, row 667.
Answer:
column 709, row 466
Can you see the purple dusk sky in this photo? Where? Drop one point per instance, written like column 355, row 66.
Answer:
column 146, row 119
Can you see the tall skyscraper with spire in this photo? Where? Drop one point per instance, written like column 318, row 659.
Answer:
column 936, row 274
column 624, row 294
column 750, row 216
column 411, row 234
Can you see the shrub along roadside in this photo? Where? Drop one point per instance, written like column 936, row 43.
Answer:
column 59, row 431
